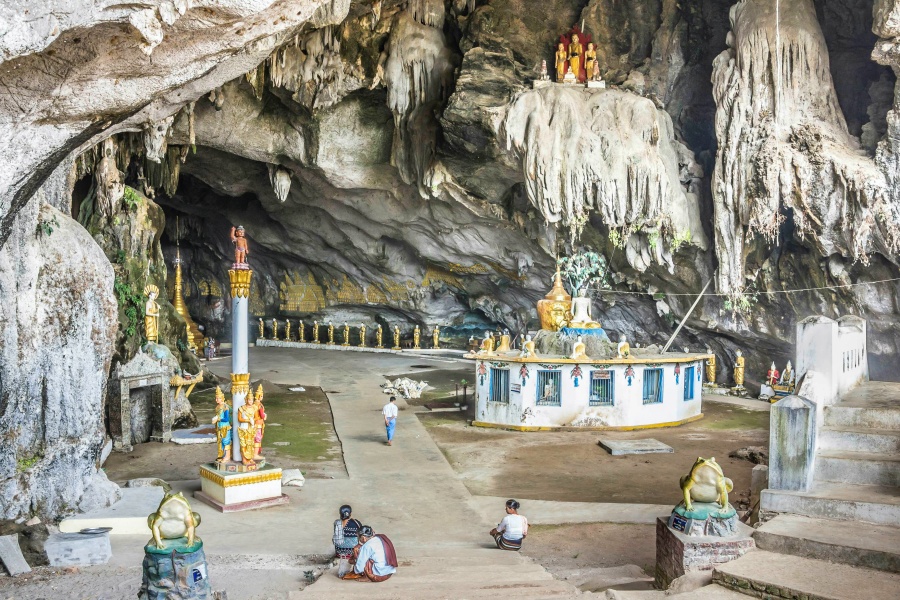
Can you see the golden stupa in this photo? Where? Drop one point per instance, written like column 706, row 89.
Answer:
column 194, row 336
column 556, row 308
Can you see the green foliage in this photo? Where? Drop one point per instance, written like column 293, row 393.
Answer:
column 131, row 198
column 47, row 227
column 741, row 302
column 119, row 258
column 181, row 345
column 584, row 270
column 681, row 238
column 130, row 304
column 26, row 462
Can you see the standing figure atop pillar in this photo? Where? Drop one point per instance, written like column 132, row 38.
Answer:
column 241, row 248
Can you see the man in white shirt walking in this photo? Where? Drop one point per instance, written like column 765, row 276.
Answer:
column 390, row 419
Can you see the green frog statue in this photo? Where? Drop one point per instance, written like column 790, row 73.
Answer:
column 705, row 509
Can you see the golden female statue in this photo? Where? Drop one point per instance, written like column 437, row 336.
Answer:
column 330, row 333
column 262, row 329
column 561, row 62
column 259, row 423
column 378, row 343
column 396, row 338
column 575, row 49
column 739, row 369
column 151, row 314
column 362, row 335
column 315, row 332
column 346, row 335
column 436, row 337
column 274, row 329
column 287, row 330
column 301, row 335
column 416, row 337
column 710, row 368
column 247, row 431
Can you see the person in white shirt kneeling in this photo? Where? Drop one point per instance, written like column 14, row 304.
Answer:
column 512, row 530
column 374, row 559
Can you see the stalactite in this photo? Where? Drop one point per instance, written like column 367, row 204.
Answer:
column 280, row 178
column 428, row 12
column 156, row 138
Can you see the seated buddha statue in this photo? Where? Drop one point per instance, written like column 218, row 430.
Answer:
column 581, row 312
column 579, row 350
column 528, row 348
column 504, row 342
column 623, row 349
column 487, row 344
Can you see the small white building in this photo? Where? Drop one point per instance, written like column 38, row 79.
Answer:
column 536, row 392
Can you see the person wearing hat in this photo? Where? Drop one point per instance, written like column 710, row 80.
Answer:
column 512, row 529
column 346, row 538
column 374, row 559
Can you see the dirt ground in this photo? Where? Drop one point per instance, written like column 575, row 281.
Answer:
column 303, row 420
column 571, row 466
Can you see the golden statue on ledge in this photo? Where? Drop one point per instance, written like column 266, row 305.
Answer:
column 262, row 329
column 247, row 431
column 590, row 60
column 315, row 332
column 378, row 340
column 739, row 370
column 346, row 334
column 710, row 369
column 151, row 314
column 301, row 334
column 554, row 309
column 504, row 342
column 330, row 333
column 275, row 329
column 362, row 335
column 396, row 338
column 579, row 350
column 575, row 50
column 487, row 344
column 562, row 62
column 416, row 338
column 528, row 348
column 287, row 330
column 436, row 337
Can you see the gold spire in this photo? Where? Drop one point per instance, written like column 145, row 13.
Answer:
column 558, row 292
column 194, row 337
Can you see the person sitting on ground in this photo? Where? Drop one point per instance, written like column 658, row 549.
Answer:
column 512, row 529
column 346, row 537
column 374, row 558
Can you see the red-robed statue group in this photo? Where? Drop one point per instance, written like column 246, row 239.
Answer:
column 575, row 54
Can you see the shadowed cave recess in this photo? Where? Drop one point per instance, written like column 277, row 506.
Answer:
column 392, row 164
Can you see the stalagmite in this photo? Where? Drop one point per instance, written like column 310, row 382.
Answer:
column 110, row 187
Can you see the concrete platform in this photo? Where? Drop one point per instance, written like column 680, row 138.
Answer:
column 205, row 434
column 126, row 517
column 241, row 506
column 852, row 543
column 870, row 503
column 645, row 446
column 768, row 574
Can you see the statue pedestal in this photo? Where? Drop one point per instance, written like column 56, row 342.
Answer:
column 678, row 553
column 230, row 491
column 706, row 518
column 539, row 83
column 596, row 84
column 176, row 571
column 576, row 331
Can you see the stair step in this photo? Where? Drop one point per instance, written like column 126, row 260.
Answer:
column 860, row 439
column 869, row 503
column 850, row 542
column 844, row 414
column 761, row 573
column 858, row 468
column 415, row 586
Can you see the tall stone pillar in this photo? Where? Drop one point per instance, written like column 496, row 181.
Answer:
column 240, row 367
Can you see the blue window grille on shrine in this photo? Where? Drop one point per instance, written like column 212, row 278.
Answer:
column 653, row 386
column 689, row 376
column 602, row 386
column 499, row 385
column 548, row 388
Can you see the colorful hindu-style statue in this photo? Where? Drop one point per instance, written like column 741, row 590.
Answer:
column 274, row 329
column 301, row 333
column 330, row 333
column 396, row 338
column 287, row 330
column 575, row 50
column 346, row 335
column 378, row 343
column 222, row 421
column 315, row 332
column 262, row 329
column 241, row 249
column 151, row 314
column 416, row 338
column 590, row 60
column 562, row 62
column 710, row 368
column 362, row 335
column 259, row 423
column 772, row 375
column 247, row 432
column 739, row 369
column 436, row 337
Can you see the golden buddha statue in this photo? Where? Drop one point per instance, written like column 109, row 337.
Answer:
column 710, row 369
column 362, row 335
column 330, row 333
column 528, row 350
column 581, row 312
column 275, row 329
column 378, row 340
column 575, row 50
column 315, row 332
column 262, row 329
column 562, row 62
column 739, row 370
column 590, row 60
column 554, row 309
column 396, row 338
column 301, row 334
column 416, row 338
column 287, row 330
column 503, row 346
column 151, row 314
column 346, row 334
column 579, row 350
column 247, row 431
column 436, row 337
column 487, row 344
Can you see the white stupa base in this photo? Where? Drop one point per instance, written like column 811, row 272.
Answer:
column 233, row 492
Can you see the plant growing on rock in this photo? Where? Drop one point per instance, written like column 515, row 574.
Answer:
column 46, row 227
column 131, row 197
column 130, row 305
column 741, row 302
column 584, row 270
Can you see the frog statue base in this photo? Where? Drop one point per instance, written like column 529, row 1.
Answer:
column 705, row 518
column 176, row 571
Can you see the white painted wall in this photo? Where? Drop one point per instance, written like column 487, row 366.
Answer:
column 836, row 352
column 628, row 409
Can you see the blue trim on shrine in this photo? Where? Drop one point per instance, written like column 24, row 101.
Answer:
column 574, row 331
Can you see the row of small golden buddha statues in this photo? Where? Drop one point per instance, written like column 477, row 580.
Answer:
column 301, row 334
